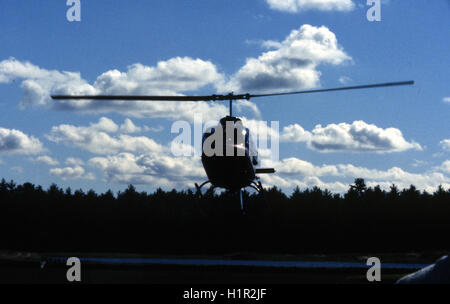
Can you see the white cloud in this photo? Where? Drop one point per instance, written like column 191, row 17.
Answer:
column 445, row 167
column 16, row 142
column 242, row 104
column 294, row 6
column 445, row 144
column 17, row 169
column 154, row 129
column 344, row 80
column 289, row 183
column 270, row 44
column 292, row 65
column 295, row 166
column 356, row 137
column 37, row 83
column 359, row 137
column 161, row 170
column 96, row 139
column 140, row 160
column 295, row 133
column 46, row 160
column 76, row 172
column 153, row 165
column 293, row 171
column 73, row 161
column 427, row 180
column 129, row 127
column 154, row 169
column 419, row 163
column 104, row 125
column 446, row 99
column 166, row 78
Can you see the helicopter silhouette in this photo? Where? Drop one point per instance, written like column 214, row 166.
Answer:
column 233, row 165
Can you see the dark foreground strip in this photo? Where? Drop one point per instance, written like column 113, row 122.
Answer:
column 237, row 263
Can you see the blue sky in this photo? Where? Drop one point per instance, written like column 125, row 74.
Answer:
column 393, row 135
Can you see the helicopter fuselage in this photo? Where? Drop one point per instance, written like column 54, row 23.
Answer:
column 232, row 163
column 229, row 172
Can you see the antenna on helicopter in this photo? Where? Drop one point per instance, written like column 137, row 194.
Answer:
column 231, row 103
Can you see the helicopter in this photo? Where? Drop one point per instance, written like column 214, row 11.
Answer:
column 237, row 170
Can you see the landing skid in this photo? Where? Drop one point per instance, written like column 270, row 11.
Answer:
column 254, row 185
column 199, row 188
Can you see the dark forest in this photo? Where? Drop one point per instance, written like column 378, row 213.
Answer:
column 177, row 222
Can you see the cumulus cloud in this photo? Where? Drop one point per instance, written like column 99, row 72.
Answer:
column 97, row 138
column 123, row 163
column 169, row 77
column 73, row 161
column 154, row 169
column 445, row 144
column 295, row 133
column 45, row 159
column 104, row 125
column 294, row 6
column 129, row 127
column 446, row 99
column 428, row 180
column 293, row 171
column 295, row 166
column 292, row 65
column 345, row 80
column 154, row 129
column 246, row 104
column 37, row 82
column 359, row 137
column 419, row 163
column 140, row 160
column 17, row 169
column 160, row 170
column 356, row 137
column 290, row 182
column 16, row 142
column 76, row 172
column 445, row 167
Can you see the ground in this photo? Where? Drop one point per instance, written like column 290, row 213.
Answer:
column 20, row 267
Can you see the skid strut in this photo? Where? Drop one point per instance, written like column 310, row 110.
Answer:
column 199, row 188
column 254, row 185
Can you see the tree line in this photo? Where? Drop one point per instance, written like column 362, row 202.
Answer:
column 180, row 222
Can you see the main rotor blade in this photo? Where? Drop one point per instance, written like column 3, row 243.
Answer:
column 230, row 96
column 154, row 98
column 367, row 86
